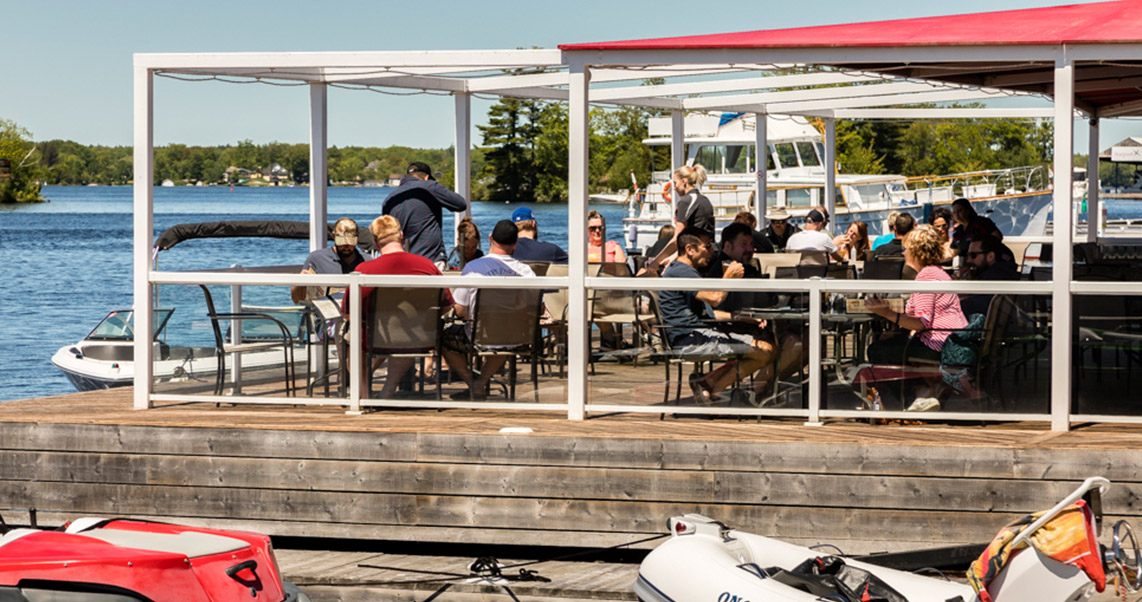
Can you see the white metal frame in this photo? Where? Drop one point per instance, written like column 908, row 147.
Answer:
column 569, row 76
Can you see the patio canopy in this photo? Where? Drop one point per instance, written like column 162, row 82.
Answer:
column 1012, row 50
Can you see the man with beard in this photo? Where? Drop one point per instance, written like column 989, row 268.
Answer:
column 683, row 313
column 342, row 258
column 985, row 262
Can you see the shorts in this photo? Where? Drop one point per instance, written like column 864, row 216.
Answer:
column 456, row 338
column 707, row 341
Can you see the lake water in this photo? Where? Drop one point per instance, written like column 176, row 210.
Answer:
column 68, row 262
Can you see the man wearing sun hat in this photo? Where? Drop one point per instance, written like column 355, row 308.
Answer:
column 527, row 247
column 341, row 258
column 779, row 229
column 418, row 205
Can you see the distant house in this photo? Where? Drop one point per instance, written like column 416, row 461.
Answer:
column 394, row 180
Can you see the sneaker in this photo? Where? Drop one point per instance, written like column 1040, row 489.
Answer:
column 924, row 404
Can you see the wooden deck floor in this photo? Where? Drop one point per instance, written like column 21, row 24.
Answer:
column 452, row 476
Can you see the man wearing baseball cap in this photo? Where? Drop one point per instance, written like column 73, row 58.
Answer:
column 527, row 247
column 342, row 258
column 418, row 205
column 814, row 237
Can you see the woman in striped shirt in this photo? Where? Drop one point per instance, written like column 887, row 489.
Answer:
column 933, row 315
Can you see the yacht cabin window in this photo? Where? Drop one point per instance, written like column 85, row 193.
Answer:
column 808, row 154
column 787, row 155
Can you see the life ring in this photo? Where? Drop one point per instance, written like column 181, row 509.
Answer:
column 666, row 191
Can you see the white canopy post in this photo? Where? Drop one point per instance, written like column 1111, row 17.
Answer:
column 1062, row 239
column 677, row 139
column 830, row 170
column 761, row 186
column 1093, row 211
column 318, row 165
column 578, row 331
column 462, row 156
column 144, row 209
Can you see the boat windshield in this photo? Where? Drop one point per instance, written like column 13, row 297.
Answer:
column 119, row 325
column 808, row 154
column 786, row 155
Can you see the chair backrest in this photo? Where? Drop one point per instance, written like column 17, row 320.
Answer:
column 213, row 315
column 841, row 271
column 768, row 263
column 1018, row 250
column 539, row 267
column 404, row 319
column 610, row 302
column 557, row 270
column 813, row 257
column 618, row 269
column 802, row 271
column 883, row 269
column 506, row 317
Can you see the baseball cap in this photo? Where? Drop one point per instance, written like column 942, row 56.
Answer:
column 522, row 214
column 505, row 233
column 816, row 217
column 347, row 236
column 421, row 167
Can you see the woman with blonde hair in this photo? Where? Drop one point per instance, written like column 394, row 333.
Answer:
column 691, row 208
column 934, row 316
column 599, row 249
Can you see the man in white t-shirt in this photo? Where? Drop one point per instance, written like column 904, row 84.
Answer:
column 458, row 337
column 814, row 237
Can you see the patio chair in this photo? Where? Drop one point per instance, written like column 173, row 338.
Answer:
column 883, row 269
column 405, row 322
column 280, row 337
column 506, row 322
column 618, row 307
column 539, row 267
column 968, row 359
column 555, row 325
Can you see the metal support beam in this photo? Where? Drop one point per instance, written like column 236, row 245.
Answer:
column 144, row 225
column 761, row 186
column 677, row 139
column 1094, row 223
column 578, row 331
column 830, row 170
column 1063, row 234
column 463, row 157
column 318, row 165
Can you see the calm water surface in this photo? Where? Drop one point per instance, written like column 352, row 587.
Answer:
column 68, row 262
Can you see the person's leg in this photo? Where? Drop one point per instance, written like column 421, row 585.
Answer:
column 492, row 365
column 458, row 365
column 398, row 367
column 759, row 356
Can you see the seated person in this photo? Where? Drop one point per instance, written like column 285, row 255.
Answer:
column 665, row 237
column 969, row 226
column 895, row 247
column 684, row 312
column 458, row 337
column 888, row 236
column 933, row 315
column 814, row 237
column 393, row 260
column 342, row 258
column 599, row 249
column 779, row 229
column 734, row 253
column 469, row 247
column 984, row 263
column 761, row 243
column 527, row 248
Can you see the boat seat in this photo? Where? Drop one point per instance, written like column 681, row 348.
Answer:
column 15, row 534
column 191, row 543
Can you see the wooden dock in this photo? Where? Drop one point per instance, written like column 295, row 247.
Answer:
column 453, row 477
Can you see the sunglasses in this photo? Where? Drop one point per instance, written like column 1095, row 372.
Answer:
column 780, row 222
column 594, row 228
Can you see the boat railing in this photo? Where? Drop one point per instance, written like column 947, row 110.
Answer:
column 580, row 394
column 979, row 184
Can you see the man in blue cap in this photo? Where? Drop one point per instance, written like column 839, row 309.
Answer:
column 527, row 247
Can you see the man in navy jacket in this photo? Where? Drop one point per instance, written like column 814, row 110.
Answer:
column 418, row 205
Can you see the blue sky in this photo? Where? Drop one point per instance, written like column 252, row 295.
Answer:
column 66, row 65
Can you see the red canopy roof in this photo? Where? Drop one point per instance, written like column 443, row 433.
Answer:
column 1098, row 23
column 1111, row 88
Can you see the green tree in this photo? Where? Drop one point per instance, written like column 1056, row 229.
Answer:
column 24, row 175
column 513, row 125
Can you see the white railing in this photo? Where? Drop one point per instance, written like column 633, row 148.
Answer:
column 816, row 288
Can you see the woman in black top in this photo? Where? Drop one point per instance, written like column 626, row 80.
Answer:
column 691, row 208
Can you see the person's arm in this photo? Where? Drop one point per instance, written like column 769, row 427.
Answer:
column 716, row 298
column 620, row 254
column 881, row 308
column 297, row 293
column 448, row 199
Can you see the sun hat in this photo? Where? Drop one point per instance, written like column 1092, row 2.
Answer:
column 777, row 214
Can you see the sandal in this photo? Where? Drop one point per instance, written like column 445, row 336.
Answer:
column 703, row 394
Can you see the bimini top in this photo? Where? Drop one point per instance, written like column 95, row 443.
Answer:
column 1098, row 23
column 249, row 229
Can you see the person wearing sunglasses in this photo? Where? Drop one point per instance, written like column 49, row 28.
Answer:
column 779, row 229
column 599, row 249
column 985, row 262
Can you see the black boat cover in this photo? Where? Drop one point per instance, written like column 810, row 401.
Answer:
column 250, row 229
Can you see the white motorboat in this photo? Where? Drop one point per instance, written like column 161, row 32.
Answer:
column 105, row 357
column 1018, row 200
column 706, row 560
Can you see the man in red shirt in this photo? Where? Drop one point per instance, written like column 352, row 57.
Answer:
column 393, row 261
